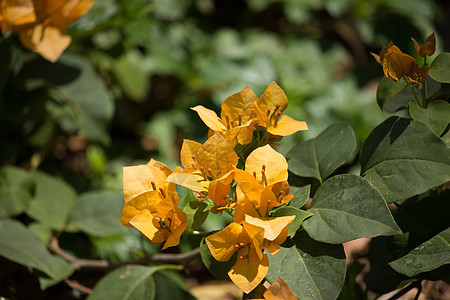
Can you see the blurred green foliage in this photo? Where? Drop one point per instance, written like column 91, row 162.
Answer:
column 121, row 95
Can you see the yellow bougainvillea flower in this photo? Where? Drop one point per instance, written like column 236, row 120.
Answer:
column 279, row 290
column 236, row 118
column 269, row 108
column 16, row 13
column 428, row 48
column 256, row 200
column 158, row 218
column 149, row 177
column 41, row 24
column 249, row 238
column 396, row 63
column 208, row 169
column 251, row 265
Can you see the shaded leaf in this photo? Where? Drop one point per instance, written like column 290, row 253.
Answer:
column 440, row 68
column 97, row 213
column 131, row 75
column 18, row 244
column 301, row 195
column 128, row 282
column 436, row 115
column 196, row 213
column 347, row 207
column 321, row 156
column 426, row 257
column 53, row 200
column 15, row 194
column 403, row 158
column 312, row 269
column 171, row 285
column 300, row 216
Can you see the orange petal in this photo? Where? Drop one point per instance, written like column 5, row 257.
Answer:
column 279, row 290
column 274, row 164
column 138, row 179
column 188, row 151
column 145, row 201
column 193, row 181
column 49, row 41
column 272, row 226
column 218, row 192
column 222, row 244
column 216, row 156
column 210, row 118
column 177, row 226
column 287, row 126
column 272, row 97
column 147, row 224
column 249, row 271
column 239, row 103
column 75, row 9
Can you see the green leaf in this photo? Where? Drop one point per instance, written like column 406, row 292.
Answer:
column 394, row 96
column 403, row 158
column 43, row 232
column 196, row 213
column 131, row 75
column 347, row 207
column 18, row 244
column 440, row 68
column 321, row 156
column 386, row 89
column 128, row 282
column 218, row 268
column 97, row 213
column 426, row 257
column 300, row 216
column 436, row 116
column 53, row 200
column 171, row 285
column 15, row 195
column 313, row 270
column 94, row 104
column 301, row 195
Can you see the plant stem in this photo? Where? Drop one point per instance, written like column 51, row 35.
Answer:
column 413, row 90
column 416, row 284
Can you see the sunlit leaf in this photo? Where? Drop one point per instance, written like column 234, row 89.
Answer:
column 321, row 156
column 440, row 68
column 347, row 207
column 436, row 116
column 313, row 270
column 300, row 216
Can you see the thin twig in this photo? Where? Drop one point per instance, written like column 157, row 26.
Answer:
column 75, row 285
column 416, row 284
column 79, row 263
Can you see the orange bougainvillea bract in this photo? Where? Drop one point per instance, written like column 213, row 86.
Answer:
column 41, row 24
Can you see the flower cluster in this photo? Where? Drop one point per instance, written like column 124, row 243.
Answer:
column 41, row 24
column 397, row 64
column 248, row 192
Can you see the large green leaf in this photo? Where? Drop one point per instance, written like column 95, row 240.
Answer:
column 53, row 200
column 171, row 285
column 313, row 270
column 300, row 216
column 347, row 207
column 440, row 68
column 437, row 115
column 426, row 257
column 301, row 195
column 218, row 268
column 15, row 184
column 128, row 282
column 18, row 244
column 97, row 213
column 403, row 158
column 321, row 156
column 95, row 106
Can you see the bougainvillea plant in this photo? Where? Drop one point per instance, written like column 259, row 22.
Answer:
column 291, row 214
